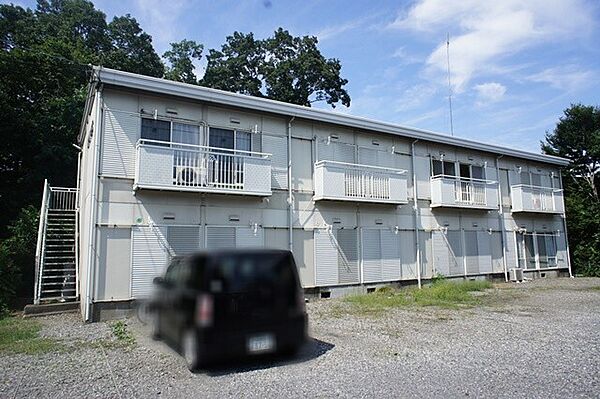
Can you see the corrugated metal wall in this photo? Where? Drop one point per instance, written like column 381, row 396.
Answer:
column 121, row 132
column 149, row 258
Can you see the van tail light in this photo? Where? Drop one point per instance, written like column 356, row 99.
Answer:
column 204, row 310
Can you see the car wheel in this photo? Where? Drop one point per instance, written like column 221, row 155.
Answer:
column 156, row 334
column 190, row 350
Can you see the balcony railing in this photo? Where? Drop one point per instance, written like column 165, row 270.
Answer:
column 364, row 183
column 458, row 192
column 527, row 198
column 183, row 167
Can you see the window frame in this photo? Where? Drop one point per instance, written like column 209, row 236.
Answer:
column 171, row 122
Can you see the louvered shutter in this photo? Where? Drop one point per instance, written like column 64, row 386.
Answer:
column 149, row 259
column 120, row 135
column 277, row 146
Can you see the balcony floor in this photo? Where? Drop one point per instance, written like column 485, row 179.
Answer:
column 464, row 206
column 365, row 200
column 201, row 189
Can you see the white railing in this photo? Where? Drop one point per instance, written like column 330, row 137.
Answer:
column 62, row 198
column 184, row 167
column 39, row 250
column 355, row 182
column 462, row 192
column 527, row 198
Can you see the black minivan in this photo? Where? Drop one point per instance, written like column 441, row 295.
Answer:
column 214, row 306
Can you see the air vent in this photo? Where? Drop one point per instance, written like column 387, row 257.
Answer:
column 375, row 142
column 235, row 121
column 168, row 216
column 378, row 221
column 234, row 218
column 337, row 220
column 171, row 111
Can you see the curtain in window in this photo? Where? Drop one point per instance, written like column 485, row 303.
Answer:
column 186, row 134
column 156, row 130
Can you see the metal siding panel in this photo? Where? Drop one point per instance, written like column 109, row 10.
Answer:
column 455, row 252
column 277, row 146
column 347, row 256
column 220, row 237
column 496, row 248
column 149, row 259
column 121, row 132
column 367, row 156
column 408, row 252
column 343, row 152
column 371, row 255
column 422, row 167
column 247, row 237
column 326, row 264
column 561, row 250
column 472, row 252
column 484, row 250
column 184, row 239
column 510, row 249
column 440, row 253
column 390, row 255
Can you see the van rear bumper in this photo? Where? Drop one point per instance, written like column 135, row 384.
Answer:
column 219, row 345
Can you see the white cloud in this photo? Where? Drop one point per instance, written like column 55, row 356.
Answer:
column 160, row 19
column 336, row 30
column 405, row 57
column 567, row 77
column 414, row 96
column 489, row 92
column 491, row 30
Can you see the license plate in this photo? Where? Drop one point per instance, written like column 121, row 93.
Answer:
column 261, row 343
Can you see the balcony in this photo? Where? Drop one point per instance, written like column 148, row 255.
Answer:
column 458, row 192
column 534, row 199
column 181, row 167
column 352, row 182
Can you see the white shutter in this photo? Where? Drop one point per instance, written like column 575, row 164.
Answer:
column 277, row 146
column 496, row 249
column 347, row 241
column 440, row 253
column 455, row 252
column 121, row 132
column 220, row 237
column 371, row 255
column 149, row 259
column 408, row 252
column 184, row 239
column 390, row 255
column 367, row 156
column 561, row 250
column 248, row 237
column 484, row 249
column 326, row 264
column 343, row 152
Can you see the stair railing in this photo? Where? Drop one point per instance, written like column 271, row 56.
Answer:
column 41, row 242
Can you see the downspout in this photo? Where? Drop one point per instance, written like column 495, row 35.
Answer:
column 501, row 218
column 93, row 204
column 564, row 222
column 77, row 221
column 289, row 178
column 416, row 212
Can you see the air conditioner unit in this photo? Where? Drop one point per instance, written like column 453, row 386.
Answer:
column 187, row 175
column 516, row 274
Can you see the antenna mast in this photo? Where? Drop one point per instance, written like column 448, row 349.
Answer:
column 449, row 84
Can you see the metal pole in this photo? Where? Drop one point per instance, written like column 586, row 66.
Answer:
column 416, row 214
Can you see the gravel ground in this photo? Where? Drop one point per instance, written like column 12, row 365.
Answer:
column 536, row 339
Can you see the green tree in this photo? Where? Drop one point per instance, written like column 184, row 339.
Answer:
column 577, row 137
column 282, row 67
column 237, row 67
column 181, row 61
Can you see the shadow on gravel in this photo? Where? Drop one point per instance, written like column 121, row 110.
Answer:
column 311, row 350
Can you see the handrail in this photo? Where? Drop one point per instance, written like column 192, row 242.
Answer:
column 196, row 148
column 553, row 189
column 465, row 179
column 41, row 238
column 362, row 166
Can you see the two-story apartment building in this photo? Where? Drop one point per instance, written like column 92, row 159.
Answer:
column 169, row 168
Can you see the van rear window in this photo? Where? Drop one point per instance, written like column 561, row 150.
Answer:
column 238, row 273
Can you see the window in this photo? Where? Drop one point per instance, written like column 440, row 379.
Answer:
column 536, row 179
column 156, row 130
column 230, row 139
column 185, row 134
column 465, row 170
column 477, row 172
column 541, row 244
column 446, row 168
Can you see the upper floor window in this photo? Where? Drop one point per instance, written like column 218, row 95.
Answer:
column 446, row 168
column 449, row 168
column 170, row 132
column 230, row 139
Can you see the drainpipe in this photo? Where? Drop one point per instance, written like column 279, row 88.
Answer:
column 501, row 218
column 94, row 205
column 289, row 178
column 564, row 223
column 416, row 212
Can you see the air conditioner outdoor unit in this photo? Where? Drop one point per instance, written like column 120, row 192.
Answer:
column 516, row 274
column 187, row 175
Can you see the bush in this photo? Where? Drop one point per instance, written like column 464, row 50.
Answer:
column 17, row 257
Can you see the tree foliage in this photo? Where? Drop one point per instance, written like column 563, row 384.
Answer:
column 281, row 67
column 181, row 61
column 577, row 137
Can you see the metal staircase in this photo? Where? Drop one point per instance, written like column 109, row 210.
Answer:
column 56, row 273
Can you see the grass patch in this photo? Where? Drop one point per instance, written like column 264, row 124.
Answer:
column 121, row 333
column 441, row 293
column 18, row 335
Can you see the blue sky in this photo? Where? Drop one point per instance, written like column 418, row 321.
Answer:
column 515, row 64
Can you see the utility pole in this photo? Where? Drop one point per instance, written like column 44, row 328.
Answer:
column 449, row 84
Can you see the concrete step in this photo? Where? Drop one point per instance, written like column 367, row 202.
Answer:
column 51, row 308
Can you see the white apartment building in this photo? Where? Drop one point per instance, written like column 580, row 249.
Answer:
column 168, row 168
